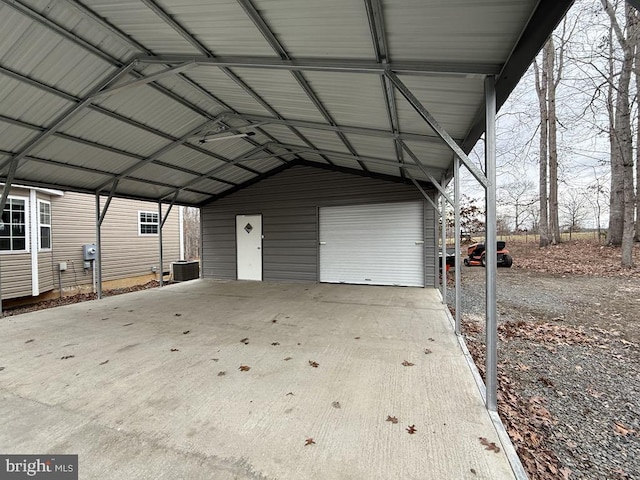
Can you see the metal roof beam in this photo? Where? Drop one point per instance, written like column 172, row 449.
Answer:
column 379, row 39
column 208, row 54
column 96, row 171
column 424, row 194
column 442, row 133
column 352, row 65
column 107, row 148
column 426, row 173
column 277, row 47
column 372, row 132
column 332, row 153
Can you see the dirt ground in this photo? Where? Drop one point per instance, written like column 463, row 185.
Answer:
column 569, row 358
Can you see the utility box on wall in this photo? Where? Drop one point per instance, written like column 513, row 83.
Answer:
column 89, row 252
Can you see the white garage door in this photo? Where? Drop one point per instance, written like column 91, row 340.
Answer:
column 380, row 244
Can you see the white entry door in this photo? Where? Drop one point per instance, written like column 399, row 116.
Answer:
column 249, row 246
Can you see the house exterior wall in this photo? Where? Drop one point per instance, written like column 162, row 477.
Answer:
column 126, row 254
column 289, row 204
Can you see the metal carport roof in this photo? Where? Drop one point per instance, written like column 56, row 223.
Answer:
column 117, row 95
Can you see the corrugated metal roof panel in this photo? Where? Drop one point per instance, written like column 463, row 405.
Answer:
column 263, row 165
column 234, row 174
column 41, row 54
column 223, row 27
column 163, row 174
column 282, row 133
column 373, row 146
column 455, row 30
column 344, row 162
column 282, row 92
column 447, row 99
column 218, row 83
column 354, row 99
column 94, row 126
column 13, row 137
column 432, row 155
column 150, row 107
column 55, row 175
column 211, row 186
column 229, row 148
column 324, row 139
column 312, row 157
column 75, row 153
column 391, row 170
column 142, row 24
column 29, row 104
column 126, row 186
column 308, row 28
column 191, row 198
column 192, row 159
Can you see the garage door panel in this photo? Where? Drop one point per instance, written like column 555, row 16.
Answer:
column 381, row 244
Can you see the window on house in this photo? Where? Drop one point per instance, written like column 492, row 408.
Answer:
column 147, row 223
column 13, row 227
column 44, row 222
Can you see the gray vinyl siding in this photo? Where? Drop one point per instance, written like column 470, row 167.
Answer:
column 289, row 203
column 124, row 253
column 16, row 275
column 47, row 278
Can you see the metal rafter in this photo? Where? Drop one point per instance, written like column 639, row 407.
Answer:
column 277, row 47
column 47, row 23
column 134, row 43
column 379, row 38
column 208, row 54
column 96, row 171
column 372, row 132
column 351, row 65
column 104, row 147
column 114, row 115
column 432, row 122
column 418, row 162
column 57, row 123
column 242, row 158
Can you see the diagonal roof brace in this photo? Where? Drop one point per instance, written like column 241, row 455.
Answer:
column 432, row 122
column 424, row 194
column 145, row 80
column 426, row 173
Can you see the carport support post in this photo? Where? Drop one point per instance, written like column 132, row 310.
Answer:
column 98, row 261
column 491, row 248
column 456, row 229
column 443, row 260
column 160, row 223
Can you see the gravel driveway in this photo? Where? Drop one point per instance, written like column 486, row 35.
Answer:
column 569, row 343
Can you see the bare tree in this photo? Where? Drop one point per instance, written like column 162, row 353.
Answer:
column 541, row 90
column 520, row 195
column 574, row 210
column 191, row 225
column 622, row 198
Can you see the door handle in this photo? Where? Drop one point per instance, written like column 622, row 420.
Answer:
column 323, row 243
column 419, row 242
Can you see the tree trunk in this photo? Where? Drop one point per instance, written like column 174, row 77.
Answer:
column 553, row 79
column 541, row 90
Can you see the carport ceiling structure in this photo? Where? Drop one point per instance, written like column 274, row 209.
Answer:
column 129, row 97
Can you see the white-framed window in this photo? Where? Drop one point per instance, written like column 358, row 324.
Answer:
column 148, row 223
column 44, row 224
column 14, row 227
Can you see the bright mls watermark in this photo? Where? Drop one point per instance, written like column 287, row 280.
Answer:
column 49, row 467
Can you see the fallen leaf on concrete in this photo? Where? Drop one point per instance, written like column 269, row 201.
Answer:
column 275, row 320
column 392, row 419
column 105, row 318
column 222, row 373
column 287, row 359
column 408, row 364
column 357, row 338
column 1, row 369
column 411, row 429
column 215, row 359
column 427, row 351
column 186, row 332
column 290, row 393
column 178, row 314
column 431, row 339
column 245, row 341
column 66, row 357
column 127, row 324
column 472, row 471
column 309, row 441
column 336, row 405
column 175, row 350
column 299, row 343
column 275, row 343
column 104, row 363
column 30, row 340
column 489, row 445
column 622, row 430
column 313, row 364
column 244, row 368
